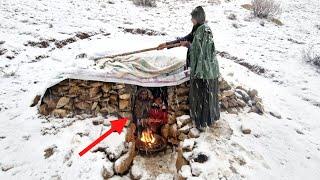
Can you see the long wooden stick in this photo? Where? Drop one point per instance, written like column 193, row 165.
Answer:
column 138, row 51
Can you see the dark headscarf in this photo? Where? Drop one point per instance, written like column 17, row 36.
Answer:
column 199, row 15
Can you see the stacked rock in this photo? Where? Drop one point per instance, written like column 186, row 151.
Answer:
column 71, row 97
column 233, row 100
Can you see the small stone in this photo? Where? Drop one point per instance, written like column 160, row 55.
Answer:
column 82, row 105
column 244, row 94
column 94, row 106
column 182, row 136
column 96, row 84
column 25, row 137
column 299, row 132
column 125, row 96
column 201, row 158
column 49, row 151
column 245, row 129
column 107, row 170
column 94, row 91
column 185, row 129
column 223, row 85
column 241, row 103
column 44, row 109
column 61, row 113
column 188, row 144
column 252, row 93
column 260, row 107
column 232, row 16
column 235, row 25
column 6, row 167
column 124, row 104
column 62, row 102
column 106, row 87
column 97, row 121
column 35, row 100
column 185, row 171
column 194, row 133
column 183, row 120
column 195, row 170
column 227, row 93
column 136, row 171
column 275, row 114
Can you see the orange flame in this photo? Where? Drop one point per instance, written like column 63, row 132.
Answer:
column 147, row 137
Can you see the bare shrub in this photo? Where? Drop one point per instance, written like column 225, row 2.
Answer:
column 265, row 8
column 148, row 3
column 312, row 56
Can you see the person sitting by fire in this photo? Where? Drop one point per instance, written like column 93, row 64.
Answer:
column 142, row 107
column 158, row 115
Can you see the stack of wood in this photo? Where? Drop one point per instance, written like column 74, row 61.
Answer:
column 71, row 97
column 177, row 105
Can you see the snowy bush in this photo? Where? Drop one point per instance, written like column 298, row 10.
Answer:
column 149, row 3
column 265, row 8
column 311, row 56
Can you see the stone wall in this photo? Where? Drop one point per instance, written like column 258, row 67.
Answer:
column 71, row 97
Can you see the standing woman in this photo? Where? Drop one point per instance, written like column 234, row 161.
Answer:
column 204, row 70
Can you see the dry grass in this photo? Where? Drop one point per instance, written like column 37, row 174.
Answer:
column 312, row 56
column 147, row 3
column 265, row 8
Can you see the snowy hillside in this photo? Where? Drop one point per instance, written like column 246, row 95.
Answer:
column 39, row 39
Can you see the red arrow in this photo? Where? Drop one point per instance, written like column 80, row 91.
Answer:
column 116, row 125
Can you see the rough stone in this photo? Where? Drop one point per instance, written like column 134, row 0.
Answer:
column 62, row 102
column 194, row 133
column 125, row 96
column 252, row 93
column 188, row 144
column 185, row 129
column 124, row 104
column 49, row 151
column 260, row 107
column 244, row 94
column 107, row 170
column 82, row 105
column 227, row 93
column 245, row 129
column 185, row 171
column 61, row 113
column 123, row 164
column 94, row 91
column 183, row 120
column 275, row 114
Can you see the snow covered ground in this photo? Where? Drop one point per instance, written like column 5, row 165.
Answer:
column 286, row 148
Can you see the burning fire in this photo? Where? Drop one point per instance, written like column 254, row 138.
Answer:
column 147, row 137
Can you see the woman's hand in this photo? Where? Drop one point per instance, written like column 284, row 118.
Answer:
column 185, row 43
column 161, row 46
